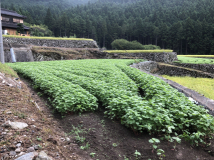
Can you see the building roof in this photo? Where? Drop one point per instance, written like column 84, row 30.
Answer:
column 13, row 25
column 11, row 13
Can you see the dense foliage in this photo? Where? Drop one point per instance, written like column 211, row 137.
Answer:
column 80, row 85
column 184, row 26
column 39, row 30
column 122, row 44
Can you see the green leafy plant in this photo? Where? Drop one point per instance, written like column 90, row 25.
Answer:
column 154, row 143
column 92, row 154
column 137, row 154
column 39, row 139
column 85, row 147
column 160, row 153
column 114, row 144
column 175, row 140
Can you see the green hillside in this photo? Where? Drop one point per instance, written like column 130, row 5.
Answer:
column 183, row 26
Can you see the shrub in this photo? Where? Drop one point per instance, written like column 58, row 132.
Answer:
column 122, row 44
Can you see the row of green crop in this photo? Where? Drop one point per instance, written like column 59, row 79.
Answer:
column 170, row 110
column 161, row 110
column 65, row 96
column 112, row 76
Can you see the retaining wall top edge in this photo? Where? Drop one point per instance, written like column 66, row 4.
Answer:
column 89, row 40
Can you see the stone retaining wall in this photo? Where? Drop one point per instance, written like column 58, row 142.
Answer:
column 158, row 57
column 203, row 67
column 166, row 69
column 52, row 43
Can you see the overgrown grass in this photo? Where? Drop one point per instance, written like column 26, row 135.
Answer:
column 194, row 60
column 196, row 56
column 50, row 38
column 137, row 51
column 7, row 70
column 204, row 86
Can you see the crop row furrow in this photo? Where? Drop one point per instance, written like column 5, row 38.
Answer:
column 66, row 96
column 162, row 110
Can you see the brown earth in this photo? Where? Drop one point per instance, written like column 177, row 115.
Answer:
column 108, row 139
column 17, row 105
column 56, row 53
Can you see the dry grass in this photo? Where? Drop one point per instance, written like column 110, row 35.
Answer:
column 138, row 51
column 49, row 38
column 196, row 56
column 204, row 86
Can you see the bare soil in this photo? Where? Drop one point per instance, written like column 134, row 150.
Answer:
column 108, row 139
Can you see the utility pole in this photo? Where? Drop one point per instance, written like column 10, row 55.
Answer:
column 1, row 41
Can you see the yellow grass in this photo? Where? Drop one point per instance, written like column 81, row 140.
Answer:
column 49, row 38
column 138, row 51
column 195, row 55
column 204, row 86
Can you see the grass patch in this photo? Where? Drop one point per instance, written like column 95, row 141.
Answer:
column 138, row 51
column 7, row 70
column 196, row 56
column 49, row 38
column 204, row 86
column 194, row 60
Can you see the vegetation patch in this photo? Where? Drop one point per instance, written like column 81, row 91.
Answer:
column 49, row 38
column 208, row 56
column 194, row 60
column 203, row 86
column 78, row 86
column 7, row 70
column 122, row 44
column 138, row 51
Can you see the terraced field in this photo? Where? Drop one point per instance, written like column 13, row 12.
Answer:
column 204, row 86
column 142, row 102
column 192, row 60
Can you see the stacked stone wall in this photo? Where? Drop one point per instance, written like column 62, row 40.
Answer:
column 158, row 57
column 52, row 43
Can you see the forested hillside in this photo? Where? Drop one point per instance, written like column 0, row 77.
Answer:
column 186, row 26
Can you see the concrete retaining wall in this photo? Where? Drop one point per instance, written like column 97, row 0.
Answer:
column 23, row 53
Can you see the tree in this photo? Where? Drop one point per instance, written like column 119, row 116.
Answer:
column 49, row 21
column 20, row 28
